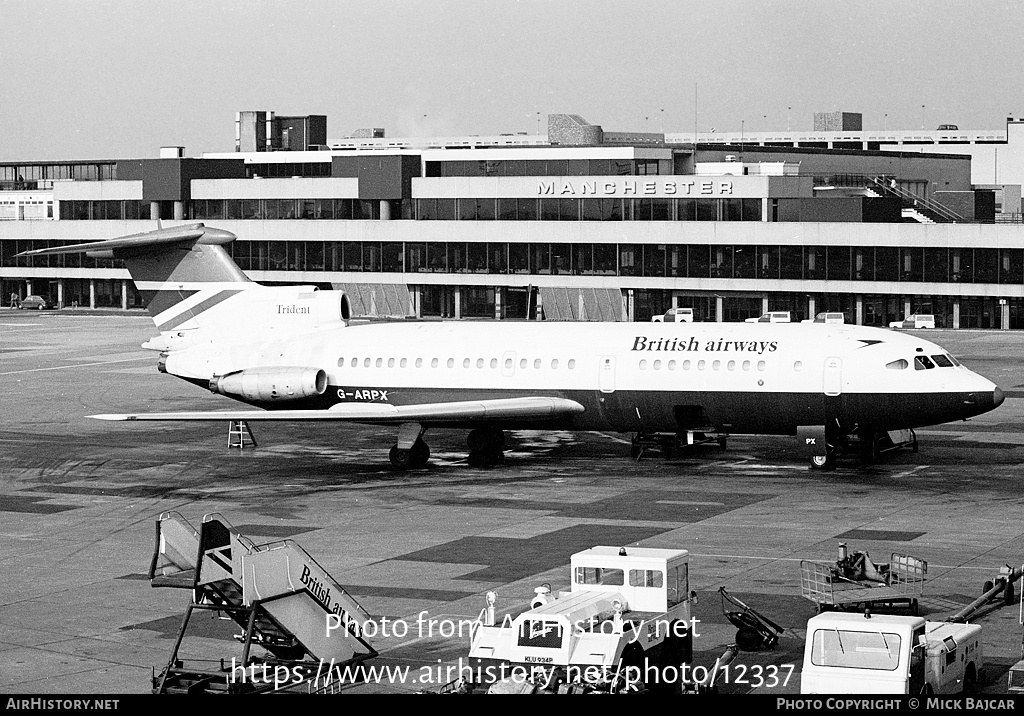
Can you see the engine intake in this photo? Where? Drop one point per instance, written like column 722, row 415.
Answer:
column 272, row 383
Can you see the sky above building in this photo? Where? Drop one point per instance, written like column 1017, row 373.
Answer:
column 102, row 79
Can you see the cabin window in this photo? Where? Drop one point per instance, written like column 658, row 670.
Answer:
column 451, row 362
column 671, row 365
column 942, row 361
column 677, row 586
column 403, row 363
column 700, row 365
column 657, row 365
column 900, row 364
column 419, row 362
column 597, row 575
column 923, row 363
column 572, row 363
column 391, row 362
column 341, row 362
column 355, row 362
column 761, row 365
column 494, row 362
column 380, row 362
column 716, row 365
column 746, row 365
column 366, row 362
column 479, row 362
column 554, row 363
column 465, row 363
column 643, row 365
column 508, row 364
column 798, row 366
column 522, row 364
column 731, row 365
column 646, row 578
column 433, row 362
column 536, row 363
column 686, row 365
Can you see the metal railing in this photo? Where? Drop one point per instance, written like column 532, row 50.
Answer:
column 932, row 209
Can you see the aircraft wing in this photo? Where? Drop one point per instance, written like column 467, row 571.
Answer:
column 531, row 408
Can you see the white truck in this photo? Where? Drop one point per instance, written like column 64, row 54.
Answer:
column 848, row 653
column 624, row 625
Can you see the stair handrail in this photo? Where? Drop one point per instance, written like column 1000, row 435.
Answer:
column 890, row 186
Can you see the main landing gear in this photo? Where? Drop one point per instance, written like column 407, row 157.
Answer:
column 486, row 447
column 405, row 459
column 410, row 451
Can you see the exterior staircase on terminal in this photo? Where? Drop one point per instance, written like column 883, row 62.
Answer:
column 276, row 593
column 915, row 208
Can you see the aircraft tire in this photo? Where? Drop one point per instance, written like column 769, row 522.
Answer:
column 400, row 459
column 823, row 462
column 419, row 454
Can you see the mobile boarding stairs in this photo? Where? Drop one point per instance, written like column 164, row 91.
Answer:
column 276, row 593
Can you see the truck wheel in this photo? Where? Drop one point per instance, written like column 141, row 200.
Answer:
column 970, row 680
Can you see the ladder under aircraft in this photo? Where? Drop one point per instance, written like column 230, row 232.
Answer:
column 276, row 592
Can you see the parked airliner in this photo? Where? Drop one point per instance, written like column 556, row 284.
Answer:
column 290, row 353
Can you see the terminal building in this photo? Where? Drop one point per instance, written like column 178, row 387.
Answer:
column 577, row 224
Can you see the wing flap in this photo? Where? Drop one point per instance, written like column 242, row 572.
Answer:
column 528, row 408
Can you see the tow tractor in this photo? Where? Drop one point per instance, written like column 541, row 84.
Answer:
column 624, row 626
column 849, row 653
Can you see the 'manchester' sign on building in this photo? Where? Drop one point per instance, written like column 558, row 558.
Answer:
column 631, row 187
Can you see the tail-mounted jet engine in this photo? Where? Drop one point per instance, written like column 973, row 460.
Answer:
column 271, row 383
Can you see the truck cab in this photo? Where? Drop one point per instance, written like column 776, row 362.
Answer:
column 848, row 653
column 626, row 607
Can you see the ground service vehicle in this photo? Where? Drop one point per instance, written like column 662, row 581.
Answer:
column 626, row 618
column 827, row 317
column 676, row 315
column 848, row 653
column 915, row 320
column 771, row 317
column 901, row 581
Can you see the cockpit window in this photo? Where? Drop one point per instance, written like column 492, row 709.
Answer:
column 900, row 364
column 942, row 361
column 923, row 363
column 955, row 361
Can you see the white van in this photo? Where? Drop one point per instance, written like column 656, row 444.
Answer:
column 916, row 320
column 827, row 317
column 676, row 315
column 771, row 317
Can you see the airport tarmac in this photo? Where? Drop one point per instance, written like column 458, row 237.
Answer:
column 79, row 498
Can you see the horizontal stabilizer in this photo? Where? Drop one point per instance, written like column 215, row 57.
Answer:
column 537, row 408
column 170, row 235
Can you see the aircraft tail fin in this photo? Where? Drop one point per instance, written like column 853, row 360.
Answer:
column 180, row 271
